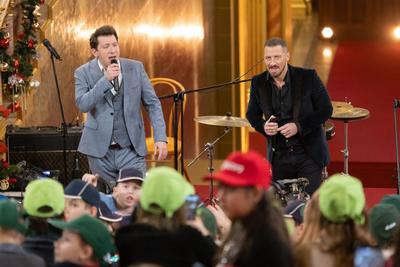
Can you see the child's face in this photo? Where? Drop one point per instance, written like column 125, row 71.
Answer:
column 70, row 247
column 75, row 208
column 237, row 202
column 127, row 194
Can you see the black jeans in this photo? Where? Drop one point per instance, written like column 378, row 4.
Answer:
column 293, row 162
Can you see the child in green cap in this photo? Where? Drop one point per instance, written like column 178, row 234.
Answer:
column 342, row 239
column 85, row 241
column 161, row 234
column 12, row 232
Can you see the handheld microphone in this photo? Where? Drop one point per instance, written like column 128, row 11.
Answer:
column 115, row 81
column 51, row 49
column 396, row 103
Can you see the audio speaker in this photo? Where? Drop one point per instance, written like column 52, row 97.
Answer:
column 42, row 147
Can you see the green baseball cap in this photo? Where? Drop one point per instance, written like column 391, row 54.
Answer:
column 383, row 222
column 341, row 198
column 92, row 231
column 11, row 216
column 44, row 198
column 166, row 189
column 392, row 200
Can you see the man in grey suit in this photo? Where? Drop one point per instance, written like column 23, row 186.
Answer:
column 114, row 137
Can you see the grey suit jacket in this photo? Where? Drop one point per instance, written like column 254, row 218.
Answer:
column 92, row 95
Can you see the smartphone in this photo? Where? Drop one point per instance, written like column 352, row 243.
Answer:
column 192, row 203
column 272, row 119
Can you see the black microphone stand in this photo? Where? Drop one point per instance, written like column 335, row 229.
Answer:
column 396, row 105
column 178, row 107
column 63, row 124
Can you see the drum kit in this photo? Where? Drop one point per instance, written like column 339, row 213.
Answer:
column 287, row 189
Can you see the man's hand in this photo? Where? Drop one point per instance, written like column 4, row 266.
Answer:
column 90, row 178
column 271, row 128
column 160, row 148
column 288, row 130
column 112, row 71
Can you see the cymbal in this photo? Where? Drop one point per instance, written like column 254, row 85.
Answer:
column 226, row 121
column 351, row 114
column 341, row 104
column 340, row 107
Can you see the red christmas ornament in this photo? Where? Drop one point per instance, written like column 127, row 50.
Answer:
column 3, row 148
column 5, row 164
column 21, row 35
column 16, row 63
column 4, row 43
column 6, row 113
column 12, row 180
column 41, row 2
column 31, row 43
column 15, row 107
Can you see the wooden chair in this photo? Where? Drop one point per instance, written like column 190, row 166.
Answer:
column 168, row 86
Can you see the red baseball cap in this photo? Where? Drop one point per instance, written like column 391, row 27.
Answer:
column 244, row 169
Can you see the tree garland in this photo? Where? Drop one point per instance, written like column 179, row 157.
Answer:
column 17, row 69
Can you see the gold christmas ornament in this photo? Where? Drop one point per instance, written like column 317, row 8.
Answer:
column 36, row 12
column 3, row 66
column 4, row 184
column 36, row 26
column 34, row 84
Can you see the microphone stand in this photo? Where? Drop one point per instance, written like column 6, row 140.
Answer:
column 63, row 124
column 178, row 107
column 395, row 106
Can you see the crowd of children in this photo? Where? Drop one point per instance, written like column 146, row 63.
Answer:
column 158, row 220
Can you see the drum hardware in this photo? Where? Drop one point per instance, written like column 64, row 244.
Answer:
column 209, row 148
column 287, row 190
column 348, row 113
column 228, row 122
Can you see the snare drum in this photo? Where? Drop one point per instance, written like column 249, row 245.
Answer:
column 329, row 130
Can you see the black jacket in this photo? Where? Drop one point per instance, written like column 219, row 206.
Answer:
column 311, row 108
column 142, row 243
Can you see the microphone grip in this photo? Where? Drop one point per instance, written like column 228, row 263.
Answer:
column 116, row 84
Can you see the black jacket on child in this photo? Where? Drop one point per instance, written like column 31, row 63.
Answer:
column 142, row 243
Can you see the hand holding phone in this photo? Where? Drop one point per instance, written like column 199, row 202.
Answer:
column 271, row 126
column 192, row 203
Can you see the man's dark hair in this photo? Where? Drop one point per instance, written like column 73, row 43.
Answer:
column 105, row 30
column 275, row 41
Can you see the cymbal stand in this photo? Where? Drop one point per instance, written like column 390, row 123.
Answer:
column 209, row 148
column 346, row 147
column 396, row 105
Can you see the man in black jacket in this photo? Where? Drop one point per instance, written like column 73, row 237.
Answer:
column 289, row 105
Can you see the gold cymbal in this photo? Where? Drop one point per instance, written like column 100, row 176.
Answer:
column 352, row 114
column 226, row 121
column 341, row 104
column 340, row 107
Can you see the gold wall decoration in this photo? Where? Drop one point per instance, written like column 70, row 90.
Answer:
column 252, row 35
